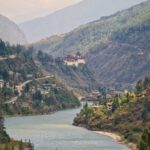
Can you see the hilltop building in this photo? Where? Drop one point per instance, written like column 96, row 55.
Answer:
column 72, row 60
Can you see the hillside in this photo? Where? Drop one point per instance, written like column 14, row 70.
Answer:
column 25, row 88
column 10, row 32
column 71, row 17
column 113, row 45
column 126, row 115
column 72, row 76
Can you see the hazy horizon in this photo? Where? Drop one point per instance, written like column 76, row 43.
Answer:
column 31, row 9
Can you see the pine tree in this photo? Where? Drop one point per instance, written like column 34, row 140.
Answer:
column 21, row 145
column 145, row 140
column 3, row 135
column 6, row 147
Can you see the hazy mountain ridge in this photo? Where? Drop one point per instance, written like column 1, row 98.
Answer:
column 10, row 32
column 67, row 19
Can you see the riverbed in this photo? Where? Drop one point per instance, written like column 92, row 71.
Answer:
column 55, row 132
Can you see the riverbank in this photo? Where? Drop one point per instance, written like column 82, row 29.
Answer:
column 118, row 138
column 54, row 132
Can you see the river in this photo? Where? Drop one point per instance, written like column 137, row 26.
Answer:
column 55, row 132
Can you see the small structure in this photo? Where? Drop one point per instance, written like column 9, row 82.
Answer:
column 12, row 56
column 109, row 106
column 1, row 83
column 7, row 85
column 108, row 96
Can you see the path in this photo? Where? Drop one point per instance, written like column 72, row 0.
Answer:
column 14, row 99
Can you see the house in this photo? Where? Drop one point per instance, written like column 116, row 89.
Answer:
column 108, row 96
column 96, row 93
column 7, row 85
column 1, row 83
column 44, row 92
column 109, row 106
column 12, row 56
column 19, row 89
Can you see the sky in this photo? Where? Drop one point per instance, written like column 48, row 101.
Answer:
column 23, row 10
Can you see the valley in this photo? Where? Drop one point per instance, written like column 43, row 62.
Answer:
column 96, row 77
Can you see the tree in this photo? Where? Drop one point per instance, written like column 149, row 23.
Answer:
column 139, row 86
column 3, row 135
column 145, row 140
column 6, row 147
column 147, row 82
column 27, row 88
column 21, row 145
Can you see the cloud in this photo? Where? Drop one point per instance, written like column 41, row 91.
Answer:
column 21, row 10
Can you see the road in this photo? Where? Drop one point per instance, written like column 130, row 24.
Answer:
column 14, row 99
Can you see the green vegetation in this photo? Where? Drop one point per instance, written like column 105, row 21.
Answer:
column 16, row 62
column 127, row 114
column 38, row 96
column 145, row 140
column 4, row 138
column 46, row 96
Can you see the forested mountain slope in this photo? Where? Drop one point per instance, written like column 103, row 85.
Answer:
column 117, row 46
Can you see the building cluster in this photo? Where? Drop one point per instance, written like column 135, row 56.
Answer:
column 6, row 84
column 113, row 93
column 93, row 96
column 45, row 88
column 7, row 57
column 11, row 85
column 73, row 60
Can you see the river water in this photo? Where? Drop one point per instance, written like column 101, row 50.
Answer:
column 55, row 132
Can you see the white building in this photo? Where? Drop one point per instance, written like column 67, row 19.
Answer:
column 1, row 83
column 74, row 60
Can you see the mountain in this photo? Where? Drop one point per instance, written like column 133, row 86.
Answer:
column 116, row 47
column 71, row 17
column 10, row 32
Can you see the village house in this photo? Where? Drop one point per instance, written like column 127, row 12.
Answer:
column 96, row 93
column 109, row 106
column 108, row 96
column 19, row 89
column 12, row 56
column 1, row 83
column 44, row 92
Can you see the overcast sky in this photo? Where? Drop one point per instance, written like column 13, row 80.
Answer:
column 22, row 10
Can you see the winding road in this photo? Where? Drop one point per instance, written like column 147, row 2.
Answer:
column 14, row 99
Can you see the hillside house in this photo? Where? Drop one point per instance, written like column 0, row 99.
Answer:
column 1, row 83
column 12, row 56
column 109, row 106
column 74, row 60
column 108, row 96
